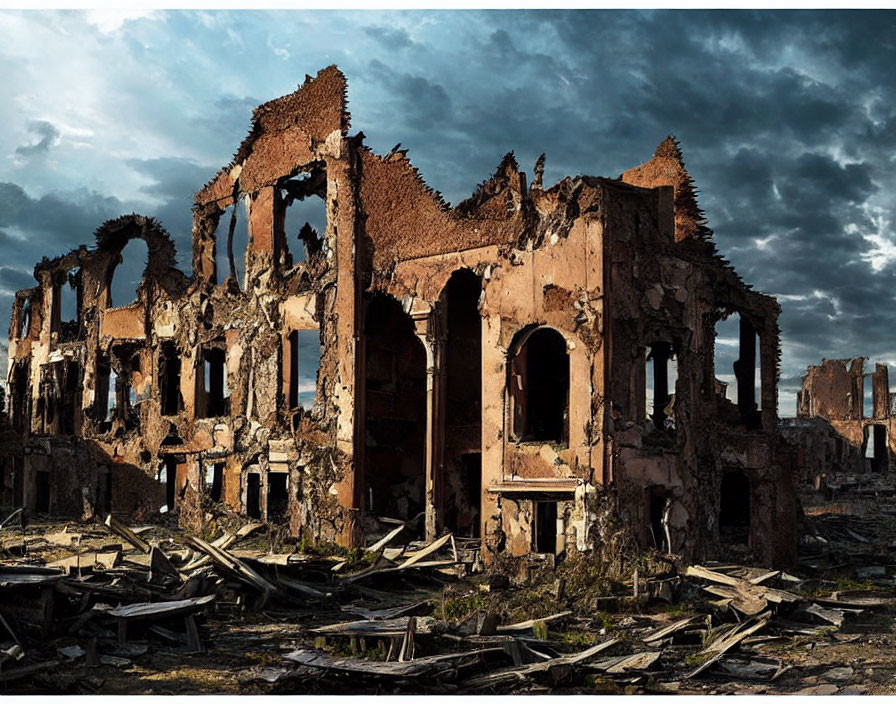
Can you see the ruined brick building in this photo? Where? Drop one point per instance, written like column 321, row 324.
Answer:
column 485, row 368
column 845, row 419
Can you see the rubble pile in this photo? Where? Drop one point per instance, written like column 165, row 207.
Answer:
column 115, row 608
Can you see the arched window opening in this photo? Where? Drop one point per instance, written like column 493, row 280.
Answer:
column 734, row 508
column 232, row 243
column 395, row 412
column 125, row 279
column 539, row 388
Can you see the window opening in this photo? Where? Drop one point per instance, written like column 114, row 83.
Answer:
column 214, row 480
column 876, row 447
column 661, row 375
column 253, row 495
column 734, row 508
column 546, row 527
column 539, row 388
column 168, row 476
column 212, row 384
column 232, row 242
column 125, row 279
column 305, row 218
column 42, row 491
column 278, row 496
column 25, row 319
column 169, row 379
column 737, row 362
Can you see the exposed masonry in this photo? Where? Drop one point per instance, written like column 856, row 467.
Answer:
column 845, row 420
column 484, row 367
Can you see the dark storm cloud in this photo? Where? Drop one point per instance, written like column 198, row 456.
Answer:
column 48, row 136
column 787, row 121
column 14, row 279
column 174, row 181
column 390, row 37
column 55, row 222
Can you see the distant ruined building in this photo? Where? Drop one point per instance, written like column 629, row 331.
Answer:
column 533, row 367
column 845, row 420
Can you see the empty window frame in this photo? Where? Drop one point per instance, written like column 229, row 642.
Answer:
column 304, row 200
column 24, row 330
column 213, row 394
column 253, row 495
column 661, row 374
column 278, row 496
column 539, row 387
column 169, row 379
column 302, row 361
column 214, row 480
column 737, row 362
column 124, row 280
column 545, row 529
column 167, row 475
column 734, row 508
column 67, row 304
column 877, row 454
column 868, row 396
column 232, row 243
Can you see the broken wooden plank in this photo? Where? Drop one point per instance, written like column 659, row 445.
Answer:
column 425, row 552
column 776, row 596
column 669, row 630
column 410, row 668
column 530, row 624
column 384, row 614
column 160, row 609
column 386, row 539
column 159, row 564
column 625, row 663
column 722, row 645
column 85, row 560
column 10, row 517
column 387, row 628
column 232, row 565
column 121, row 529
column 832, row 616
column 513, row 674
column 223, row 542
column 745, row 602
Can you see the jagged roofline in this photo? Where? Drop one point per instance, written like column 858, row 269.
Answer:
column 259, row 112
column 670, row 148
column 116, row 233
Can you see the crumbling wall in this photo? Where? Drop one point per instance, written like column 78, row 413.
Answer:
column 570, row 284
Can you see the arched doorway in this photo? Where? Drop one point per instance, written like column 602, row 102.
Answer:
column 394, row 412
column 461, row 482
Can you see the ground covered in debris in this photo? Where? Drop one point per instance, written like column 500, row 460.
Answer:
column 104, row 608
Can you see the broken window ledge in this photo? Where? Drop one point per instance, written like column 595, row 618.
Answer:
column 524, row 486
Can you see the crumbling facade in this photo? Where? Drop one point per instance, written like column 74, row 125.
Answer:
column 484, row 368
column 845, row 420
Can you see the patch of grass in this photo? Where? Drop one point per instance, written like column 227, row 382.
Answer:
column 846, row 584
column 460, row 607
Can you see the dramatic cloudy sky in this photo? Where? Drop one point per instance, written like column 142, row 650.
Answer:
column 787, row 121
